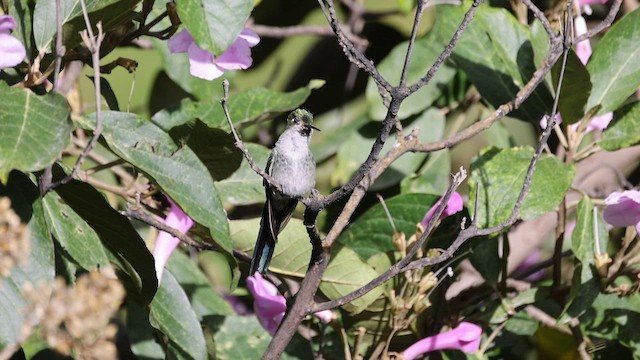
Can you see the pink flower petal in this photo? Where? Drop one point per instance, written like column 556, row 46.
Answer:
column 202, row 64
column 237, row 56
column 268, row 304
column 325, row 316
column 623, row 208
column 12, row 52
column 590, row 2
column 453, row 206
column 7, row 23
column 165, row 242
column 465, row 337
column 180, row 42
column 250, row 37
column 583, row 48
column 600, row 122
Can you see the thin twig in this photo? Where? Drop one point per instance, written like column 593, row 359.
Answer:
column 93, row 44
column 240, row 144
column 444, row 55
column 412, row 41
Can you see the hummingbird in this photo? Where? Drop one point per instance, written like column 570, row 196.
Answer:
column 292, row 166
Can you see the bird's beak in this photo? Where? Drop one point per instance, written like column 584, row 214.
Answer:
column 313, row 127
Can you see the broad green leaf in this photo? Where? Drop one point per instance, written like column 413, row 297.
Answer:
column 508, row 306
column 214, row 147
column 498, row 59
column 590, row 234
column 624, row 132
column 245, row 187
column 336, row 126
column 75, row 236
column 259, row 103
column 214, row 24
column 575, row 90
column 171, row 313
column 346, row 271
column 425, row 52
column 45, row 23
column 500, row 175
column 38, row 266
column 177, row 170
column 114, row 15
column 248, row 106
column 203, row 298
column 246, row 330
column 126, row 249
column 140, row 333
column 614, row 65
column 22, row 10
column 433, row 177
column 350, row 154
column 486, row 260
column 293, row 250
column 33, row 129
column 372, row 232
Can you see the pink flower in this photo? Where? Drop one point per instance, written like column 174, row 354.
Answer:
column 583, row 48
column 165, row 243
column 12, row 52
column 591, row 2
column 204, row 64
column 623, row 209
column 465, row 337
column 270, row 306
column 453, row 206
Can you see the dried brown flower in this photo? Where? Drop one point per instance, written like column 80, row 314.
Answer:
column 14, row 238
column 76, row 320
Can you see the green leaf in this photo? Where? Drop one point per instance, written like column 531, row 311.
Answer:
column 425, row 52
column 350, row 154
column 38, row 266
column 485, row 259
column 624, row 132
column 293, row 250
column 33, row 129
column 498, row 59
column 203, row 298
column 140, row 333
column 177, row 170
column 346, row 273
column 127, row 250
column 587, row 231
column 614, row 65
column 248, row 106
column 336, row 128
column 371, row 233
column 22, row 10
column 114, row 15
column 575, row 90
column 246, row 330
column 433, row 177
column 45, row 22
column 214, row 24
column 172, row 314
column 75, row 236
column 245, row 187
column 214, row 147
column 500, row 174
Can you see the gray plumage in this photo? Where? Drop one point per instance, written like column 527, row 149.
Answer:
column 292, row 166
